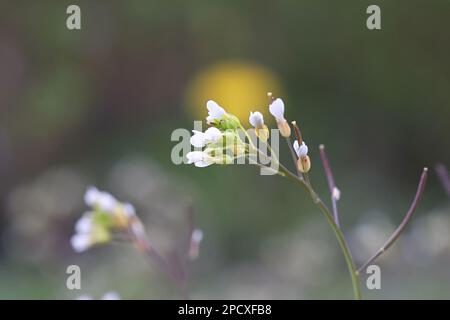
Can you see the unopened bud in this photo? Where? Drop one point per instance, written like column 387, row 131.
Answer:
column 336, row 194
column 285, row 129
column 304, row 164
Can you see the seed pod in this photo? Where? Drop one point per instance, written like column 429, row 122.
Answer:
column 262, row 133
column 284, row 128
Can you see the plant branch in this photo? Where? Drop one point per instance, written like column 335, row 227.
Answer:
column 331, row 184
column 401, row 227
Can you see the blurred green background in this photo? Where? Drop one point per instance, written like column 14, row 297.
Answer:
column 98, row 106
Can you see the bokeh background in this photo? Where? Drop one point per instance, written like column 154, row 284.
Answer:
column 98, row 106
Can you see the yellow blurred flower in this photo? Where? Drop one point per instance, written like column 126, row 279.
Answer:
column 239, row 87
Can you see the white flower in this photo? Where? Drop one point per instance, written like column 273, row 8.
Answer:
column 201, row 139
column 197, row 236
column 91, row 196
column 103, row 200
column 112, row 295
column 107, row 202
column 215, row 112
column 300, row 150
column 84, row 224
column 276, row 108
column 80, row 242
column 256, row 119
column 200, row 159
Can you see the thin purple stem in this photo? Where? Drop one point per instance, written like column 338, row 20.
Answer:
column 331, row 183
column 402, row 226
column 444, row 176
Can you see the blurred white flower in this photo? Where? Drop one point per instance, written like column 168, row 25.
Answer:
column 107, row 216
column 276, row 108
column 81, row 242
column 84, row 224
column 102, row 200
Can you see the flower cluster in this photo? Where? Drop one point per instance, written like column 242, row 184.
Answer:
column 303, row 162
column 221, row 143
column 107, row 217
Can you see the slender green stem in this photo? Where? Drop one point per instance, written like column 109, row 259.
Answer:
column 303, row 180
column 354, row 274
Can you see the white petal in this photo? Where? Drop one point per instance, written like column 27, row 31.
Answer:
column 301, row 150
column 107, row 202
column 251, row 119
column 197, row 235
column 194, row 156
column 212, row 134
column 91, row 196
column 112, row 295
column 84, row 224
column 200, row 159
column 198, row 139
column 256, row 119
column 296, row 147
column 214, row 111
column 276, row 108
column 84, row 297
column 129, row 210
column 80, row 242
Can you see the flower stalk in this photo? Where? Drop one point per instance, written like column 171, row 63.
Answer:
column 354, row 275
column 334, row 191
